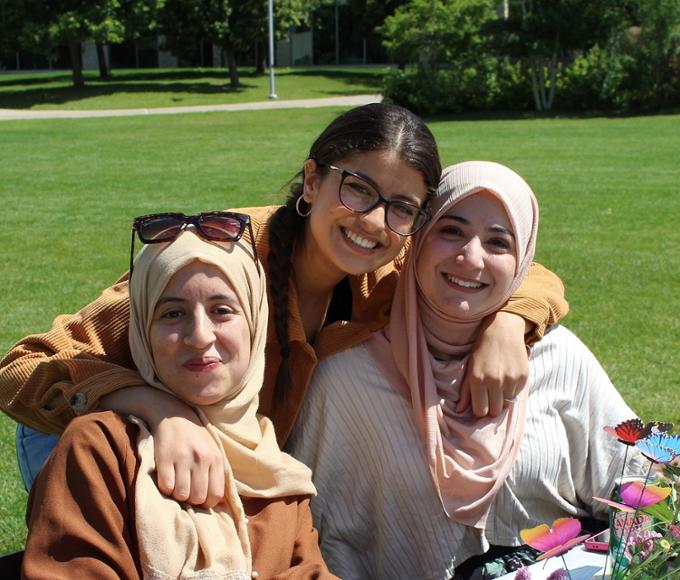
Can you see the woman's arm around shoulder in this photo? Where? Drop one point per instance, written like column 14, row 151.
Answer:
column 539, row 301
column 46, row 379
column 498, row 367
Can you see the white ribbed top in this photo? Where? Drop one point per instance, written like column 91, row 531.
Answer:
column 378, row 513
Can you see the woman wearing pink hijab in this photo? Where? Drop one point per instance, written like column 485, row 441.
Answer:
column 410, row 488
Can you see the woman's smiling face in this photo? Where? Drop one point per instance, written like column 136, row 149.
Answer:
column 352, row 243
column 468, row 260
column 199, row 335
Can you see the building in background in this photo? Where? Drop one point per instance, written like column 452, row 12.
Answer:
column 333, row 38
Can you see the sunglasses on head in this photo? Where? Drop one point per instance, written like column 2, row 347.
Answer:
column 217, row 226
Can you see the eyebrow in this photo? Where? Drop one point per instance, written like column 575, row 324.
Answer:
column 497, row 228
column 165, row 299
column 410, row 197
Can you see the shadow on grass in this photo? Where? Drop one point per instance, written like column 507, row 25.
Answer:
column 37, row 90
column 60, row 95
column 28, row 78
column 42, row 79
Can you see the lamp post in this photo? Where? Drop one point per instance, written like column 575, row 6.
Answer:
column 272, row 82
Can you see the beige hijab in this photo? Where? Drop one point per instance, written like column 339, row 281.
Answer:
column 469, row 458
column 181, row 541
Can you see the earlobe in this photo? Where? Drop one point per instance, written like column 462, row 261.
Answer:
column 311, row 181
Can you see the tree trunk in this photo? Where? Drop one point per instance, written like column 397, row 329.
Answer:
column 260, row 57
column 553, row 80
column 76, row 64
column 534, row 84
column 543, row 99
column 541, row 83
column 230, row 58
column 101, row 59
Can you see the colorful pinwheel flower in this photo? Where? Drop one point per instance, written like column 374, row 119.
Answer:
column 627, row 432
column 649, row 534
column 636, row 495
column 555, row 541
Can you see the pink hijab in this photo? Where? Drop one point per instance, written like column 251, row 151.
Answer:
column 469, row 458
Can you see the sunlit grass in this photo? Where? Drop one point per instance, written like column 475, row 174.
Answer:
column 609, row 190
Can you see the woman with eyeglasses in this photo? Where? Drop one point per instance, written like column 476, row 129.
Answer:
column 198, row 322
column 408, row 485
column 332, row 255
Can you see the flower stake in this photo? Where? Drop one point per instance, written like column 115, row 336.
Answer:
column 555, row 541
column 644, row 546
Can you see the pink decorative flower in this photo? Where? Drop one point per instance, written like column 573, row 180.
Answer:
column 637, row 495
column 560, row 574
column 641, row 545
column 563, row 536
column 523, row 574
column 674, row 530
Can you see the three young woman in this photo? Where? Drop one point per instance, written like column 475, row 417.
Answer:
column 198, row 323
column 332, row 262
column 408, row 485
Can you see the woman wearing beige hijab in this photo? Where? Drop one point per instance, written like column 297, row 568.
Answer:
column 380, row 429
column 198, row 330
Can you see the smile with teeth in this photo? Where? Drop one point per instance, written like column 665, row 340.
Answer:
column 358, row 240
column 463, row 283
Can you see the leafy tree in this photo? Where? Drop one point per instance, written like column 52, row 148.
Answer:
column 44, row 25
column 654, row 44
column 48, row 24
column 124, row 20
column 108, row 28
column 11, row 19
column 456, row 68
column 188, row 22
column 430, row 33
column 140, row 17
column 544, row 34
column 232, row 25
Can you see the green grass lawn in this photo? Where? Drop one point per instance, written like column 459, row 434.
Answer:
column 178, row 87
column 609, row 190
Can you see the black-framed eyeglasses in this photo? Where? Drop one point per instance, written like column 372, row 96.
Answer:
column 218, row 226
column 360, row 195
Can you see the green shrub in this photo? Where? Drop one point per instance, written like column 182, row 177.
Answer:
column 620, row 80
column 593, row 81
column 491, row 85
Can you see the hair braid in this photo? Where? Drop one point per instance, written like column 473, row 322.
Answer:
column 284, row 226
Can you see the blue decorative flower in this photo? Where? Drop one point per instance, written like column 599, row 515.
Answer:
column 660, row 447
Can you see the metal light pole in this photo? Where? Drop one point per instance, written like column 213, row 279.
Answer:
column 272, row 82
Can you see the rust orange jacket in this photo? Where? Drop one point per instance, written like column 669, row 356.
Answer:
column 82, row 520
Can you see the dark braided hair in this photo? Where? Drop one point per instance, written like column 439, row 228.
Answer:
column 373, row 127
